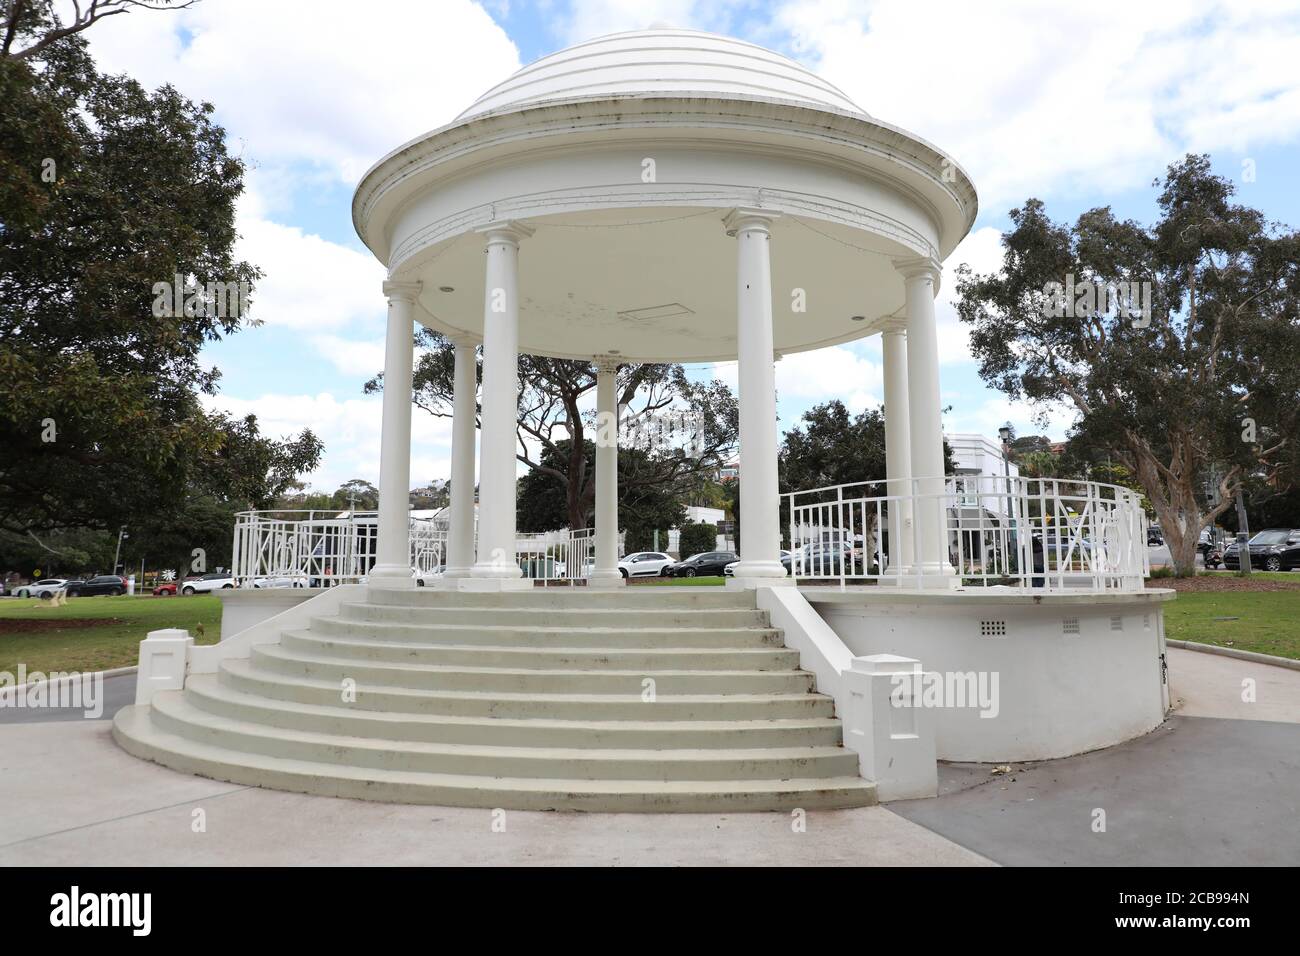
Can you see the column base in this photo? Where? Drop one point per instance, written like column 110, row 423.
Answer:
column 390, row 576
column 449, row 578
column 490, row 584
column 606, row 579
column 759, row 574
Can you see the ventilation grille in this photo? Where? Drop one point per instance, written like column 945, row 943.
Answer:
column 1070, row 625
column 667, row 311
column 993, row 628
column 1117, row 623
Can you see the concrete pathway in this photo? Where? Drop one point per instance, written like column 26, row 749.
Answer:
column 72, row 797
column 1218, row 783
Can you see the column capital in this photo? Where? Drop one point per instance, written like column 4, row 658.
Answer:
column 462, row 339
column 920, row 266
column 505, row 230
column 746, row 217
column 607, row 363
column 892, row 325
column 401, row 291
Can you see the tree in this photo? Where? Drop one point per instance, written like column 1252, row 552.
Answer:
column 551, row 393
column 696, row 538
column 106, row 191
column 833, row 447
column 643, row 505
column 355, row 494
column 1178, row 344
column 29, row 27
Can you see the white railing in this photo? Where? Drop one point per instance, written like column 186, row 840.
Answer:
column 324, row 548
column 557, row 557
column 1026, row 533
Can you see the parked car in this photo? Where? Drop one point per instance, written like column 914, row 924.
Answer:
column 730, row 570
column 111, row 584
column 701, row 565
column 1155, row 537
column 166, row 589
column 1274, row 549
column 286, row 580
column 644, row 564
column 207, row 583
column 45, row 588
column 820, row 559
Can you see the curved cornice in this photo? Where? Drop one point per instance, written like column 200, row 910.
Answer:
column 876, row 148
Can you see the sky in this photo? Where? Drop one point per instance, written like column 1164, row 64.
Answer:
column 1079, row 105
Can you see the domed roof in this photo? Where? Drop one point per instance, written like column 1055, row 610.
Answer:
column 665, row 61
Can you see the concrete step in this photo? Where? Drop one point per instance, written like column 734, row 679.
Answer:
column 173, row 713
column 136, row 732
column 552, row 617
column 284, row 660
column 545, row 658
column 653, row 597
column 209, row 693
column 524, row 635
column 243, row 676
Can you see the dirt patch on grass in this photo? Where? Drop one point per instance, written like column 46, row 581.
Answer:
column 1223, row 582
column 29, row 626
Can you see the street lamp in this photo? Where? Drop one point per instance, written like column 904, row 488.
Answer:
column 121, row 533
column 1005, row 433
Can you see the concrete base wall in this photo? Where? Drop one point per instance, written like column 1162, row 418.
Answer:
column 241, row 608
column 1068, row 674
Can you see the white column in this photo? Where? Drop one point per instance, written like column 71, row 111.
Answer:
column 921, row 280
column 496, row 560
column 606, row 573
column 760, row 534
column 393, row 559
column 464, row 430
column 898, row 444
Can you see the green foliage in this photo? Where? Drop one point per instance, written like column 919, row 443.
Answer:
column 107, row 189
column 696, row 538
column 638, row 538
column 1209, row 377
column 643, row 505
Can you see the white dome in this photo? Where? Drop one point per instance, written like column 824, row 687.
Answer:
column 663, row 61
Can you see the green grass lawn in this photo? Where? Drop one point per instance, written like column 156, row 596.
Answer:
column 99, row 633
column 1267, row 622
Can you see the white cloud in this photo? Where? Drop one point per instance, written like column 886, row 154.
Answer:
column 1082, row 97
column 310, row 283
column 987, row 416
column 350, row 430
column 982, row 251
column 320, row 82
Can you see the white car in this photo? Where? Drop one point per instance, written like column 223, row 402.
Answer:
column 286, row 580
column 644, row 564
column 730, row 570
column 206, row 583
column 44, row 588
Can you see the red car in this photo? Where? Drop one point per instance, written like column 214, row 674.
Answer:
column 166, row 589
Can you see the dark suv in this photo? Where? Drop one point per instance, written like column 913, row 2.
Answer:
column 710, row 562
column 1274, row 549
column 100, row 584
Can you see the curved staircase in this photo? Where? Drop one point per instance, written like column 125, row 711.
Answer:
column 641, row 699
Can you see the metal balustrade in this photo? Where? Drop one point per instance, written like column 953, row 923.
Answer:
column 1030, row 534
column 321, row 549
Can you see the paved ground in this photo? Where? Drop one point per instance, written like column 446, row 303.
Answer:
column 1219, row 783
column 72, row 797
